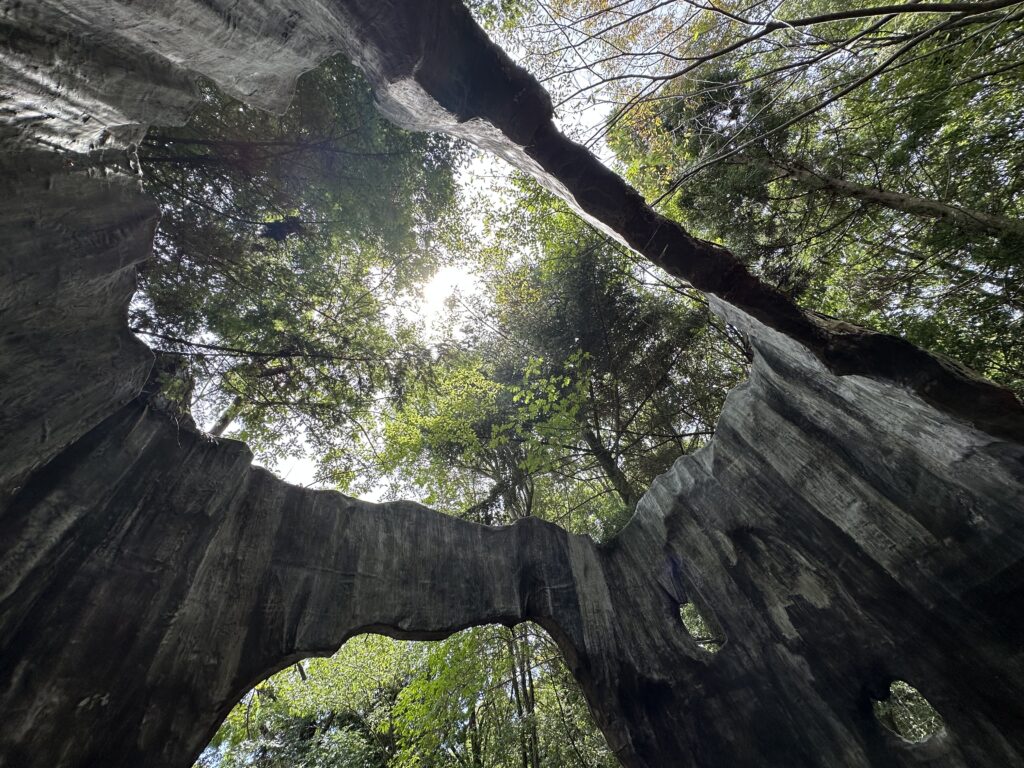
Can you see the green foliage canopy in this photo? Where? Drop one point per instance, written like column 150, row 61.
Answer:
column 284, row 242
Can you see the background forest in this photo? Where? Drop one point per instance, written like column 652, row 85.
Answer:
column 867, row 160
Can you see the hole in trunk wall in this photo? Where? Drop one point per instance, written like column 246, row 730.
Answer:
column 704, row 630
column 907, row 713
column 483, row 697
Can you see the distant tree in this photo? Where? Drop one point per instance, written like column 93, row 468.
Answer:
column 866, row 159
column 576, row 380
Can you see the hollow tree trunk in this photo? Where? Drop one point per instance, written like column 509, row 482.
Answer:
column 855, row 519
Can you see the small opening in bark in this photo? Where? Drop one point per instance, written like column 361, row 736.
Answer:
column 707, row 634
column 907, row 713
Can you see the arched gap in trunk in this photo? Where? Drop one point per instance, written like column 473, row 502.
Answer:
column 379, row 700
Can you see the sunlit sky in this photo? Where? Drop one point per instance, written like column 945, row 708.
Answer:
column 483, row 177
column 301, row 470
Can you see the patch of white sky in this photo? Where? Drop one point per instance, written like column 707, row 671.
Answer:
column 439, row 303
column 484, row 182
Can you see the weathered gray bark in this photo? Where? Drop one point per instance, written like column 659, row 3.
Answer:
column 73, row 229
column 856, row 519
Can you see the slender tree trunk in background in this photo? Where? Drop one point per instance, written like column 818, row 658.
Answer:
column 522, row 666
column 229, row 415
column 474, row 738
column 518, row 695
column 610, row 468
column 531, row 699
column 975, row 221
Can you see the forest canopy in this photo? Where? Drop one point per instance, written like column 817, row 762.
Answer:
column 867, row 162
